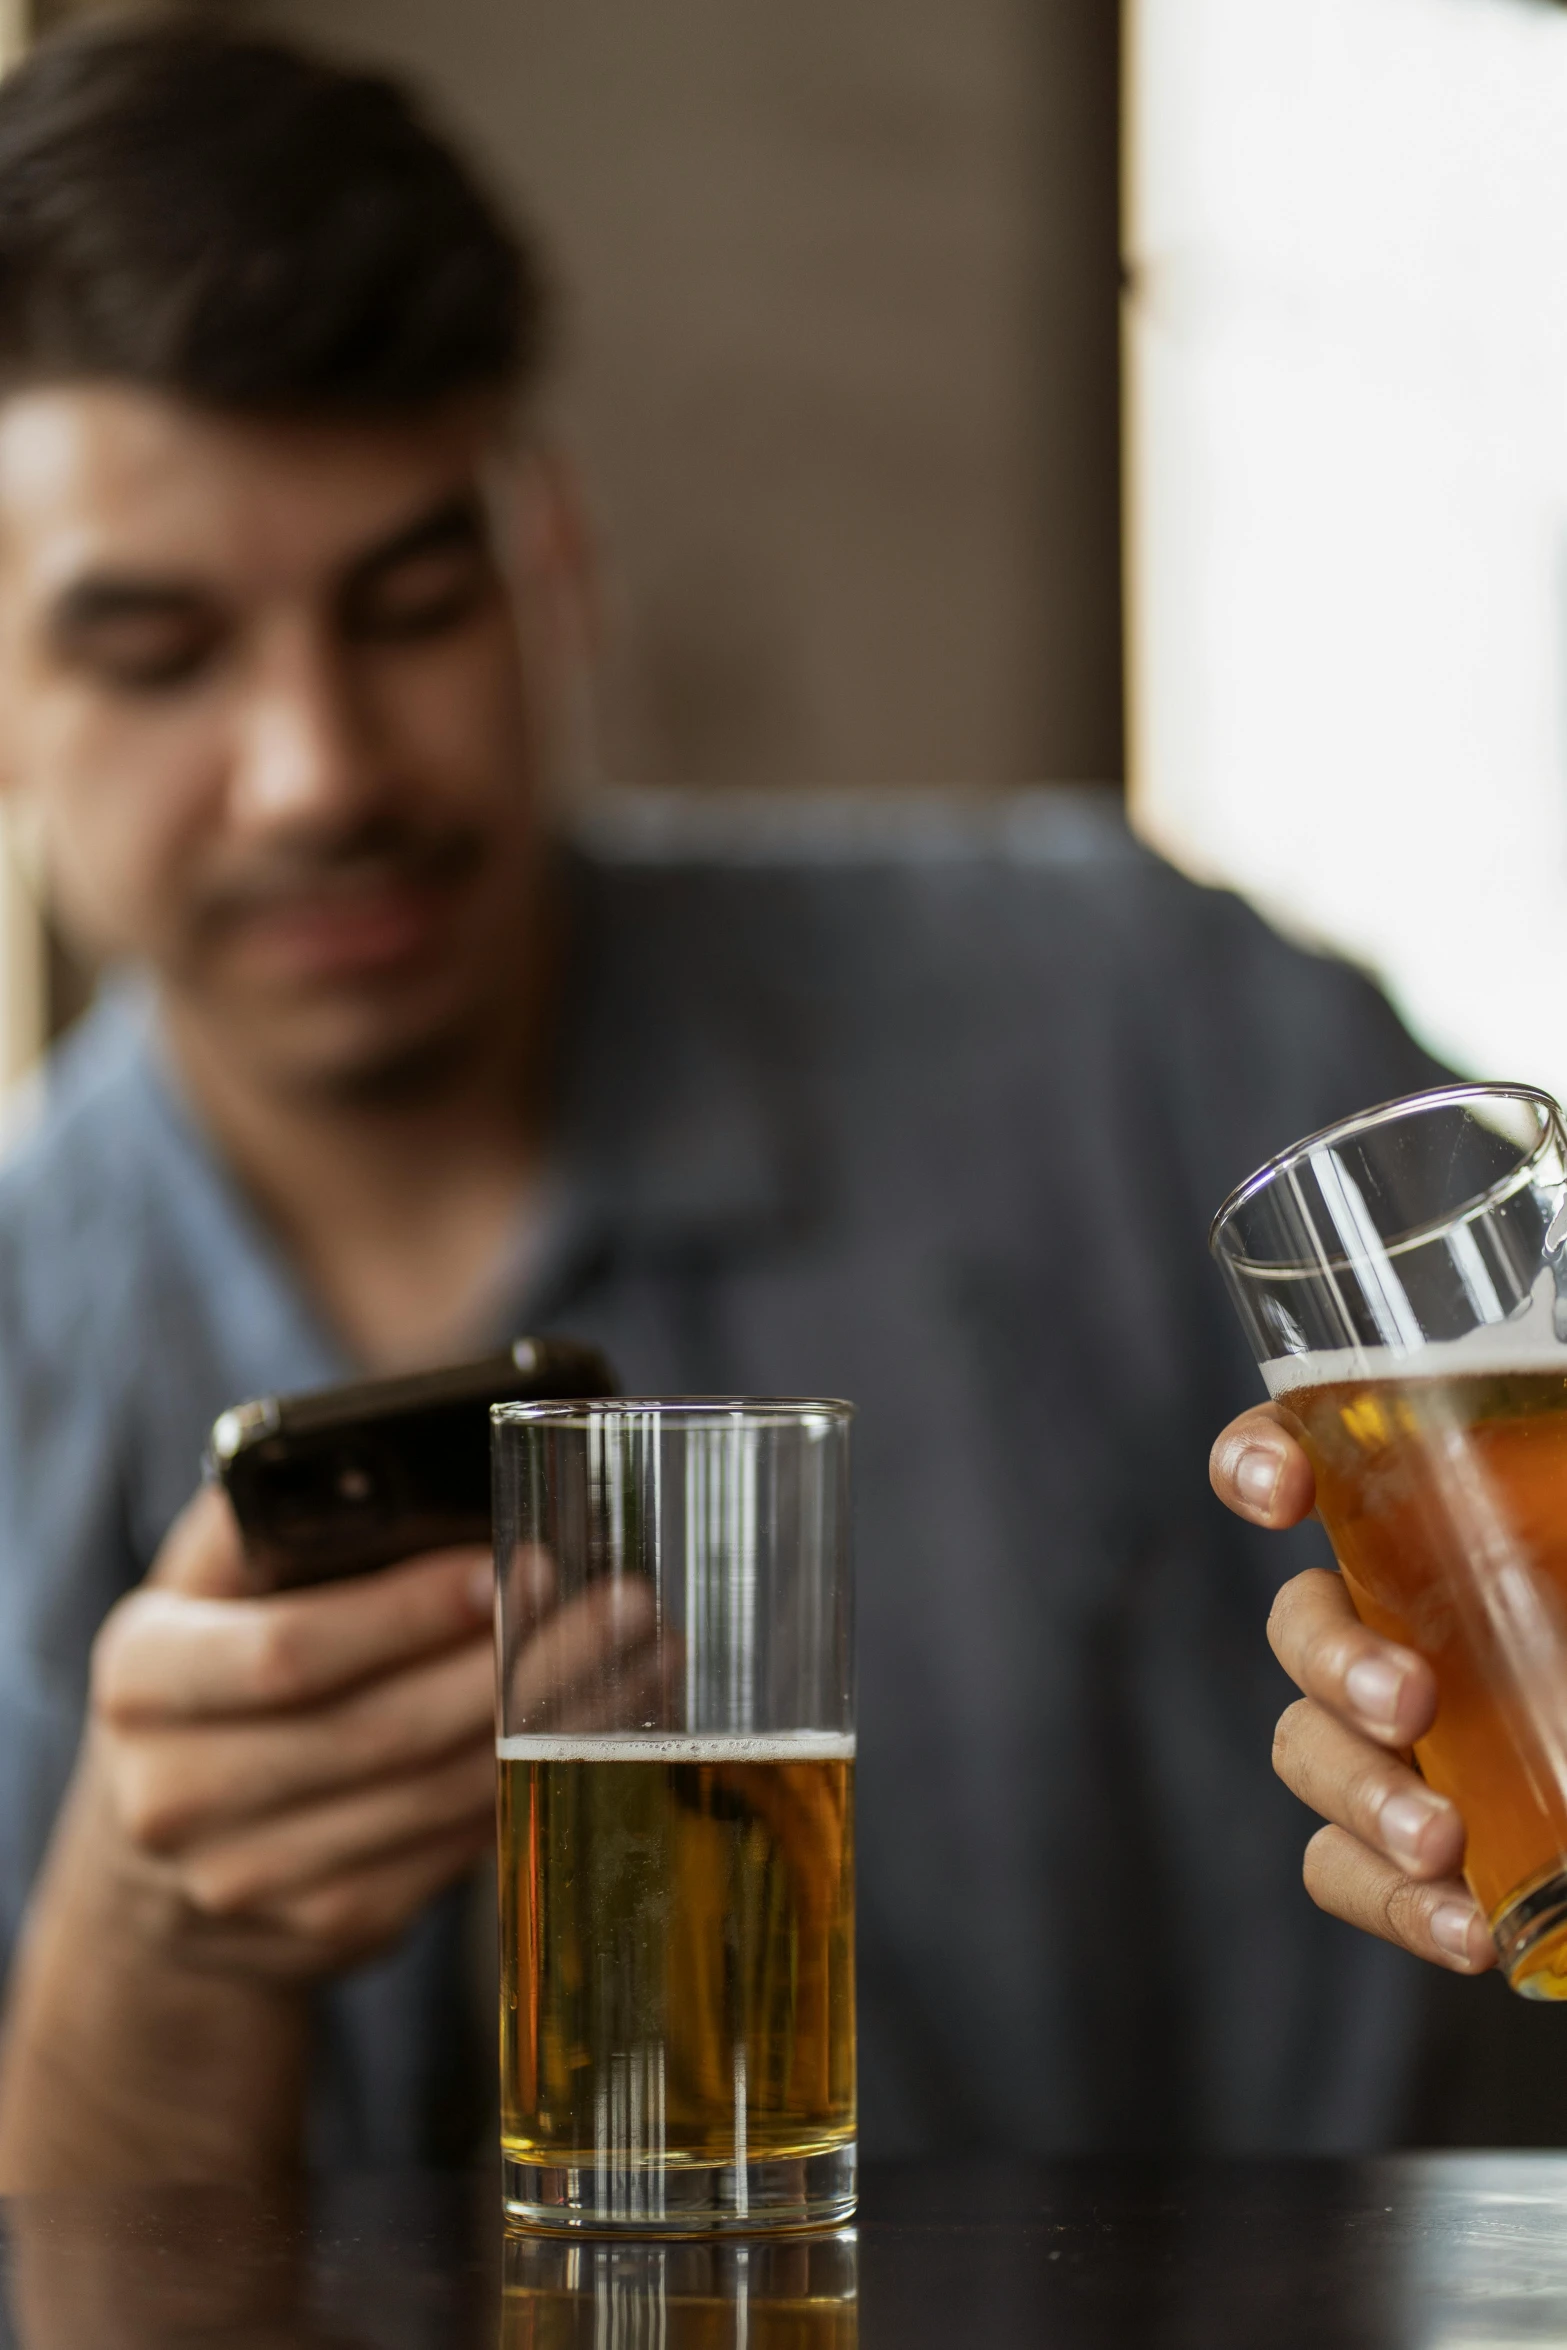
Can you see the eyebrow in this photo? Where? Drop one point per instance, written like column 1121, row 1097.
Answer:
column 458, row 522
column 104, row 598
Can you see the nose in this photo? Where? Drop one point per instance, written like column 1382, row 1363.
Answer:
column 305, row 759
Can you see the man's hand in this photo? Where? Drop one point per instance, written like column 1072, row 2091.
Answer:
column 1389, row 1858
column 268, row 1790
column 279, row 1785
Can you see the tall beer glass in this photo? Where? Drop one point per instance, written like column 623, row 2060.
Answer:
column 676, row 1763
column 1403, row 1280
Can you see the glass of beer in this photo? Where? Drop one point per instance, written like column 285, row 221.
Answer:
column 1403, row 1280
column 675, row 1662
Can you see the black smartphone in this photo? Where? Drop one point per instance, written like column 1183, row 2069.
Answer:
column 350, row 1478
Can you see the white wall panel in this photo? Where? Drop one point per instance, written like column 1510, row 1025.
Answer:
column 1347, row 343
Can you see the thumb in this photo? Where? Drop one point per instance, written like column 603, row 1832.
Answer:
column 1259, row 1470
column 201, row 1553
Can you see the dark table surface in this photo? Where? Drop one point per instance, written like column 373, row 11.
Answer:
column 1446, row 2252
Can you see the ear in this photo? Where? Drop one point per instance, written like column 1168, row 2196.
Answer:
column 568, row 547
column 546, row 544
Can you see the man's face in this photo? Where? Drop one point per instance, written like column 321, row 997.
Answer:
column 262, row 684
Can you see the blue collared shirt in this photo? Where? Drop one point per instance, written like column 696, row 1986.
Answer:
column 929, row 1107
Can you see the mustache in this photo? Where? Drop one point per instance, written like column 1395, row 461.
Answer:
column 383, row 852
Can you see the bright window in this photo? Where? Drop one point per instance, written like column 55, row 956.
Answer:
column 1348, row 470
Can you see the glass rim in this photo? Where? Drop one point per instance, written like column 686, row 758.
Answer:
column 1384, row 1114
column 748, row 1411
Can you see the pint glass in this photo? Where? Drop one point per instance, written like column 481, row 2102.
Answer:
column 1403, row 1280
column 676, row 1765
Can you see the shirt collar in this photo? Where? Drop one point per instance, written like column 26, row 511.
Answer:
column 680, row 1125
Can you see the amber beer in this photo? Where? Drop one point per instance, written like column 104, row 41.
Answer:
column 1446, row 1500
column 677, row 1929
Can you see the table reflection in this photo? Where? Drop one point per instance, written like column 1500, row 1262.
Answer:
column 356, row 2264
column 1426, row 2253
column 1482, row 2250
column 130, row 2272
column 796, row 2293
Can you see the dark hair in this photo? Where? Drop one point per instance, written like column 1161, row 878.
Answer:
column 250, row 227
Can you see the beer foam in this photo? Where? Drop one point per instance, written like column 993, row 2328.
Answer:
column 1480, row 1354
column 679, row 1746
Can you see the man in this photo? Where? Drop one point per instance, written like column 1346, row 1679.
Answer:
column 290, row 597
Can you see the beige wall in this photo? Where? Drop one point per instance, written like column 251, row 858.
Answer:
column 842, row 362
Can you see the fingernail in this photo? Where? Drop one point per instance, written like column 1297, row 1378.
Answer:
column 1257, row 1475
column 1372, row 1685
column 1451, row 1926
column 481, row 1590
column 1403, row 1821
